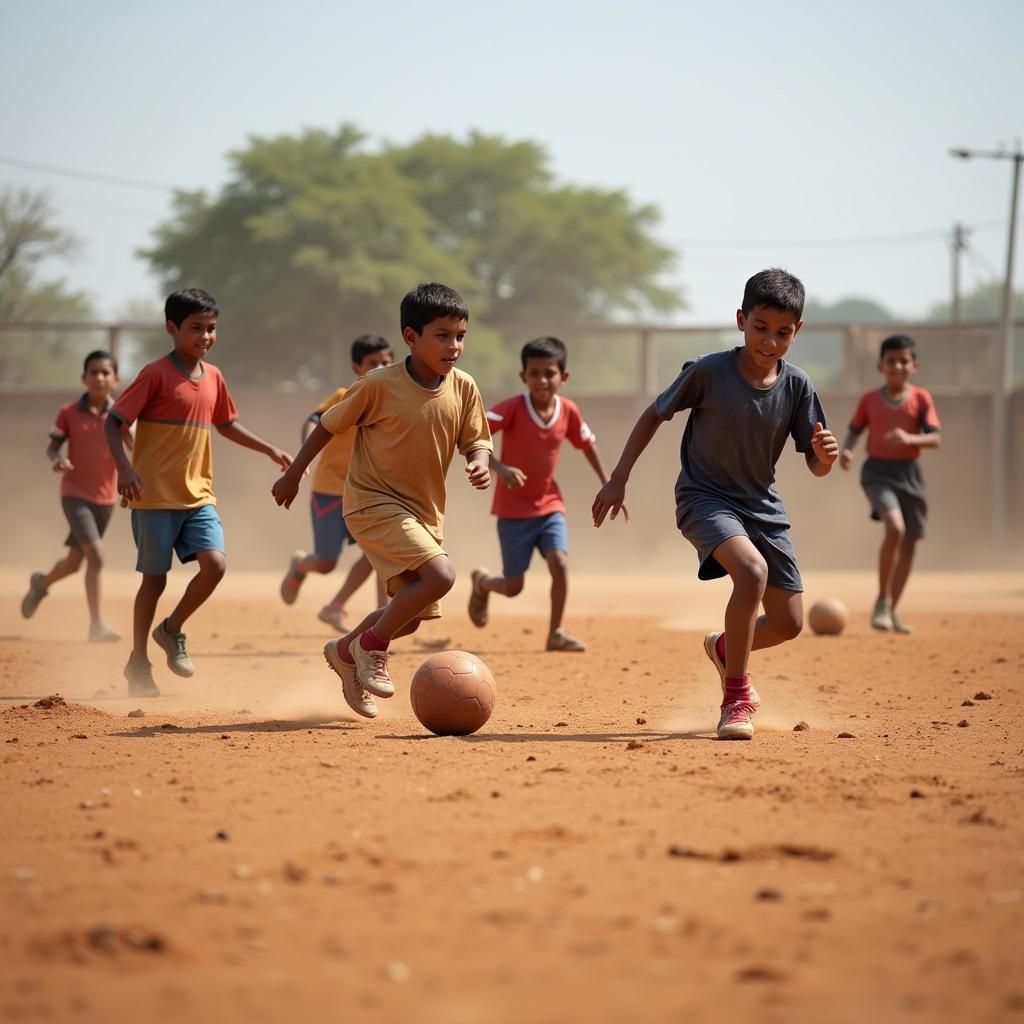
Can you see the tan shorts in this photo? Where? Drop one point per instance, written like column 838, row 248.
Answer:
column 397, row 544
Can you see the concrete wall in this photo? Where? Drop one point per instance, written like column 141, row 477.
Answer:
column 830, row 521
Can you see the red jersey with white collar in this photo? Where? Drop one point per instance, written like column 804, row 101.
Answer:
column 530, row 444
column 879, row 413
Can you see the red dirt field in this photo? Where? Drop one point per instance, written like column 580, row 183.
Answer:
column 244, row 850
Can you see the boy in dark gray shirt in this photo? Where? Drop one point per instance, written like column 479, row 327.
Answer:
column 744, row 404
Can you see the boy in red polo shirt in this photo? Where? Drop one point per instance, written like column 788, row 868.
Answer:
column 527, row 500
column 901, row 420
column 88, row 490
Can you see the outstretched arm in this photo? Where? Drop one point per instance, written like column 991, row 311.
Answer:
column 612, row 494
column 593, row 456
column 235, row 432
column 287, row 484
column 824, row 450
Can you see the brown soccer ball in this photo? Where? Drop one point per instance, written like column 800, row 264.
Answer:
column 828, row 617
column 453, row 693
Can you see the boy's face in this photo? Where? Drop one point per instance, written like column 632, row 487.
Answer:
column 196, row 335
column 543, row 377
column 767, row 334
column 383, row 357
column 438, row 347
column 100, row 378
column 897, row 366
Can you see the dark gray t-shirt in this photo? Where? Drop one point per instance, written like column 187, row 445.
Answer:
column 736, row 433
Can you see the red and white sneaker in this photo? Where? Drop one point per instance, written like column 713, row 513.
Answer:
column 371, row 669
column 292, row 579
column 355, row 696
column 737, row 721
column 711, row 650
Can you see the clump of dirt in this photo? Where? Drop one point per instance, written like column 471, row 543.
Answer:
column 51, row 702
column 81, row 946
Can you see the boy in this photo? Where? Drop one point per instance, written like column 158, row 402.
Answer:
column 901, row 420
column 529, row 507
column 411, row 418
column 88, row 489
column 329, row 532
column 169, row 483
column 744, row 405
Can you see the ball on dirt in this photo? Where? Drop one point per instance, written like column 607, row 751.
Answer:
column 453, row 693
column 828, row 617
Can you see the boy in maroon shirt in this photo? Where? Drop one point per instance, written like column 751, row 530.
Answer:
column 88, row 490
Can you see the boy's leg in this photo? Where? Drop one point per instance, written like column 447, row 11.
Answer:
column 98, row 630
column 749, row 574
column 328, row 535
column 333, row 613
column 518, row 538
column 39, row 583
column 150, row 589
column 888, row 555
column 212, row 565
column 558, row 639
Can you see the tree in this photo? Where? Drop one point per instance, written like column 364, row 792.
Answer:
column 850, row 310
column 984, row 303
column 27, row 237
column 316, row 238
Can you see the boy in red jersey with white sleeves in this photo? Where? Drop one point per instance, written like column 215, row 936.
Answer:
column 527, row 501
column 901, row 420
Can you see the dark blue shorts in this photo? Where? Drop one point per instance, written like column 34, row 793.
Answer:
column 706, row 523
column 159, row 532
column 519, row 538
column 330, row 533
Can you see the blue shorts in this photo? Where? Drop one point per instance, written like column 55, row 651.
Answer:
column 184, row 531
column 519, row 537
column 329, row 530
column 707, row 522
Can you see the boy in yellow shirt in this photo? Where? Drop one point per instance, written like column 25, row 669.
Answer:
column 326, row 505
column 409, row 420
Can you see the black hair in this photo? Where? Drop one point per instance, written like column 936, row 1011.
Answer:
column 895, row 343
column 429, row 302
column 99, row 354
column 183, row 304
column 776, row 289
column 366, row 344
column 545, row 348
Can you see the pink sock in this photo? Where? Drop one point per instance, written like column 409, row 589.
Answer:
column 720, row 646
column 369, row 641
column 344, row 643
column 736, row 688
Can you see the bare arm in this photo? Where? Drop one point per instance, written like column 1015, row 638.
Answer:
column 824, row 451
column 129, row 486
column 287, row 485
column 849, row 443
column 309, row 425
column 593, row 456
column 60, row 463
column 612, row 494
column 238, row 434
column 478, row 468
column 510, row 476
column 898, row 435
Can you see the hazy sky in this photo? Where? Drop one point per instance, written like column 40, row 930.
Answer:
column 758, row 129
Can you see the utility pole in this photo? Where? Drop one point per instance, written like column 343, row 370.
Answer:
column 1003, row 378
column 958, row 246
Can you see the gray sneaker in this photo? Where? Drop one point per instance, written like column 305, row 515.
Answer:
column 140, row 679
column 899, row 626
column 174, row 647
column 101, row 633
column 881, row 617
column 36, row 592
column 355, row 696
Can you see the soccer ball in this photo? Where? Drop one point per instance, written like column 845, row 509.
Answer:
column 828, row 617
column 453, row 693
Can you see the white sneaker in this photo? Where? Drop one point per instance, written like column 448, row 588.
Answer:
column 371, row 669
column 355, row 696
column 881, row 617
column 711, row 650
column 335, row 618
column 101, row 633
column 737, row 721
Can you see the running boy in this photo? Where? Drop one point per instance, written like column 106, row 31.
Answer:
column 411, row 418
column 169, row 484
column 744, row 405
column 88, row 490
column 527, row 501
column 901, row 420
column 329, row 533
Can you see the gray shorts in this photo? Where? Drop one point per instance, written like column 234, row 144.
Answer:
column 707, row 522
column 88, row 522
column 897, row 484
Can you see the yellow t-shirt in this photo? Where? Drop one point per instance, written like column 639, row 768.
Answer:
column 332, row 466
column 406, row 438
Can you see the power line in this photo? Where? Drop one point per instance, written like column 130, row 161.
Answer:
column 827, row 243
column 104, row 179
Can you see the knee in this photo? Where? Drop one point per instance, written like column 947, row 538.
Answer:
column 513, row 586
column 751, row 574
column 790, row 625
column 94, row 558
column 895, row 531
column 558, row 562
column 443, row 575
column 214, row 564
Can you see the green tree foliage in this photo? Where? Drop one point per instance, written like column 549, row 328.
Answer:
column 316, row 238
column 983, row 303
column 27, row 238
column 851, row 310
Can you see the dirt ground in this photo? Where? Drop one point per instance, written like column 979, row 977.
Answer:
column 243, row 849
